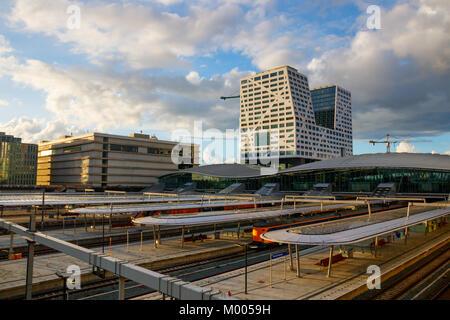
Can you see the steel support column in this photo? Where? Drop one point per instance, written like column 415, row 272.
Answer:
column 121, row 288
column 238, row 230
column 298, row 260
column 406, row 235
column 30, row 260
column 154, row 236
column 375, row 246
column 330, row 262
column 42, row 210
column 11, row 246
column 245, row 291
column 159, row 234
column 103, row 233
column 182, row 236
column 291, row 263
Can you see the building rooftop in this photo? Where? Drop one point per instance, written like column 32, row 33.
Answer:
column 225, row 170
column 396, row 160
column 132, row 136
column 388, row 160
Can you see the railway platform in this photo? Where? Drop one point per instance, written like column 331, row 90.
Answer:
column 168, row 253
column 350, row 274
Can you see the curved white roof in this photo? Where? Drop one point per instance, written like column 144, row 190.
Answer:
column 24, row 201
column 394, row 159
column 355, row 234
column 205, row 204
column 225, row 216
column 371, row 160
column 224, row 170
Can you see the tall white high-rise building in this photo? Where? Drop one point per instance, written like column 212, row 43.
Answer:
column 280, row 117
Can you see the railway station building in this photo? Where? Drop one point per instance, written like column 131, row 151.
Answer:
column 413, row 173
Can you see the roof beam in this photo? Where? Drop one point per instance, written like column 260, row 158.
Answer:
column 170, row 286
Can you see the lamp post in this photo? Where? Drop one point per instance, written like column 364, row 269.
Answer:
column 246, row 268
column 103, row 233
column 64, row 277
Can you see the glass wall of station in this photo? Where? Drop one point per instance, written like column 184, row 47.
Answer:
column 343, row 180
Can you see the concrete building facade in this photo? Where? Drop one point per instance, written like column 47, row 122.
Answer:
column 18, row 161
column 105, row 160
column 279, row 118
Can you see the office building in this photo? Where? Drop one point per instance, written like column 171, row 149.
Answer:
column 17, row 161
column 105, row 160
column 280, row 117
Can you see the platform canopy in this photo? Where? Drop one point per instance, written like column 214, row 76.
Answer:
column 166, row 207
column 352, row 235
column 227, row 216
column 86, row 200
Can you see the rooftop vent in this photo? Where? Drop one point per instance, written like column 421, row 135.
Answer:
column 140, row 136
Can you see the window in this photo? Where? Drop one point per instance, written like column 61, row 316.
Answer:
column 123, row 148
column 153, row 150
column 116, row 147
column 71, row 149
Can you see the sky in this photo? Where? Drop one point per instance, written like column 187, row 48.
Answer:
column 160, row 66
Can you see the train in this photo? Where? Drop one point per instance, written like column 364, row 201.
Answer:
column 298, row 220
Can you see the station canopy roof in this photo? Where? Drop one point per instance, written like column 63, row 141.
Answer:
column 167, row 207
column 225, row 170
column 373, row 160
column 354, row 233
column 226, row 216
column 389, row 160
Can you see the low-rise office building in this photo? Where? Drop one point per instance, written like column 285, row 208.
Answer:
column 105, row 160
column 17, row 161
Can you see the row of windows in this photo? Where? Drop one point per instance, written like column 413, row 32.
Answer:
column 123, row 148
column 265, row 76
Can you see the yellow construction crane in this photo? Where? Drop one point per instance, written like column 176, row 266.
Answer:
column 389, row 142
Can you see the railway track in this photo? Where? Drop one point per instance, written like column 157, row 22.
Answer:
column 106, row 289
column 425, row 280
column 116, row 239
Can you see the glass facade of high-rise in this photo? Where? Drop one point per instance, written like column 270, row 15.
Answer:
column 324, row 105
column 18, row 161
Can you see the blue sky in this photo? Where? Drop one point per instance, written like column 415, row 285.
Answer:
column 159, row 65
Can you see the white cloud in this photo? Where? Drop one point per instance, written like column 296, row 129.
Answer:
column 4, row 103
column 34, row 130
column 406, row 147
column 231, row 160
column 194, row 78
column 447, row 153
column 106, row 100
column 398, row 75
column 4, row 45
column 136, row 35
